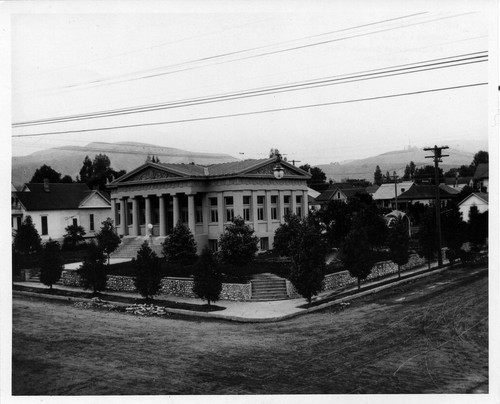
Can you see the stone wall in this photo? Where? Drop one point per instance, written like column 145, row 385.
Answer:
column 181, row 287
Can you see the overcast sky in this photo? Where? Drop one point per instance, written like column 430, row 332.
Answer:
column 435, row 65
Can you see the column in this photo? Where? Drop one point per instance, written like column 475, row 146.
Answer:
column 305, row 204
column 191, row 214
column 238, row 203
column 281, row 206
column 123, row 216
column 254, row 210
column 163, row 222
column 113, row 211
column 135, row 217
column 175, row 207
column 147, row 213
column 293, row 201
column 220, row 211
column 268, row 210
column 206, row 213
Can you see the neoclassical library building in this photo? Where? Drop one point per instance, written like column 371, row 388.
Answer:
column 151, row 199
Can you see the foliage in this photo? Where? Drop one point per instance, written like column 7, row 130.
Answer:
column 74, row 235
column 398, row 242
column 427, row 174
column 409, row 171
column 477, row 229
column 465, row 192
column 355, row 253
column 378, row 176
column 51, row 263
column 238, row 244
column 96, row 173
column 481, row 157
column 285, row 235
column 45, row 172
column 67, row 179
column 337, row 219
column 87, row 170
column 373, row 224
column 427, row 235
column 107, row 239
column 308, row 258
column 147, row 272
column 27, row 240
column 453, row 229
column 93, row 271
column 180, row 247
column 207, row 279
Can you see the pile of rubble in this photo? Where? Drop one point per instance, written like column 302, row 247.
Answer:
column 96, row 302
column 146, row 310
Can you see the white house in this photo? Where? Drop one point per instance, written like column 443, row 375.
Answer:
column 54, row 206
column 385, row 195
column 479, row 199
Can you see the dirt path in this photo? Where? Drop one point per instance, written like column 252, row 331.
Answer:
column 430, row 336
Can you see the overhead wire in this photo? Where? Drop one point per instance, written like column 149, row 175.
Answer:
column 417, row 67
column 254, row 112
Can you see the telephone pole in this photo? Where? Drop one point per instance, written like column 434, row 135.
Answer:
column 437, row 159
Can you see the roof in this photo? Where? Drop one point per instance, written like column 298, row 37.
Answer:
column 386, row 191
column 427, row 192
column 482, row 171
column 372, row 189
column 481, row 195
column 60, row 196
column 459, row 180
column 330, row 193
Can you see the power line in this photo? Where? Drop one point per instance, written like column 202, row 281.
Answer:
column 254, row 112
column 322, row 82
column 101, row 82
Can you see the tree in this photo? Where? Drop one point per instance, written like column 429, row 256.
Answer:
column 147, row 266
column 481, row 157
column 373, row 224
column 387, row 178
column 426, row 174
column 207, row 277
column 51, row 263
column 107, row 239
column 477, row 229
column 378, row 176
column 453, row 230
column 398, row 242
column 93, row 271
column 427, row 236
column 337, row 219
column 286, row 234
column 180, row 247
column 67, row 179
column 356, row 255
column 45, row 172
column 409, row 171
column 308, row 258
column 102, row 172
column 87, row 170
column 74, row 235
column 238, row 244
column 27, row 240
column 318, row 177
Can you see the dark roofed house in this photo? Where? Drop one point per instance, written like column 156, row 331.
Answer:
column 426, row 195
column 338, row 194
column 54, row 206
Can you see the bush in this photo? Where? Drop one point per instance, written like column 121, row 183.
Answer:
column 207, row 279
column 27, row 240
column 147, row 272
column 107, row 239
column 74, row 236
column 51, row 263
column 93, row 271
column 238, row 244
column 180, row 247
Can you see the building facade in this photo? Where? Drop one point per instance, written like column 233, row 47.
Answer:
column 153, row 198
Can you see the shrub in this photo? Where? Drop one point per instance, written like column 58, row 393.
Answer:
column 51, row 263
column 238, row 244
column 107, row 239
column 180, row 247
column 147, row 272
column 207, row 279
column 27, row 240
column 93, row 270
column 74, row 235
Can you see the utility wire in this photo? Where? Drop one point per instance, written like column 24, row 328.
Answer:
column 253, row 112
column 323, row 82
column 109, row 81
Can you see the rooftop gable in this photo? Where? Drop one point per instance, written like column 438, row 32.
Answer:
column 59, row 196
column 480, row 195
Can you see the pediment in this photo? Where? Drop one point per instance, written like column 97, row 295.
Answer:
column 268, row 169
column 151, row 173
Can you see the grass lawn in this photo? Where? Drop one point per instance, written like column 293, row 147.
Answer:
column 428, row 336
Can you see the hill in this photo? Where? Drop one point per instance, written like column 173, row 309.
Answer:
column 68, row 160
column 392, row 161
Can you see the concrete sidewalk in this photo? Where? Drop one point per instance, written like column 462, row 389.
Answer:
column 267, row 311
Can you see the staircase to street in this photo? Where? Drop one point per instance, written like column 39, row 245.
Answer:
column 128, row 247
column 268, row 287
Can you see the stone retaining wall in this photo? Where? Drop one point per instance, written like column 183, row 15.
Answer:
column 181, row 287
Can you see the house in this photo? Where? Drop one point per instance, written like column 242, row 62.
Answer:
column 339, row 192
column 479, row 199
column 481, row 177
column 154, row 197
column 459, row 182
column 54, row 206
column 426, row 195
column 312, row 194
column 384, row 196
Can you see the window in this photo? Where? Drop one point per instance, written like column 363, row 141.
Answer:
column 228, row 202
column 264, row 243
column 274, row 207
column 246, row 207
column 214, row 214
column 91, row 225
column 75, row 221
column 338, row 195
column 286, row 203
column 213, row 245
column 260, row 207
column 298, row 208
column 45, row 226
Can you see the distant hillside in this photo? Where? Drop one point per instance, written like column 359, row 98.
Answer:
column 127, row 156
column 393, row 161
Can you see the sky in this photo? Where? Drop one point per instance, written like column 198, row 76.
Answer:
column 323, row 83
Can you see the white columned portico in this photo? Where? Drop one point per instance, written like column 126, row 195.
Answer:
column 294, row 202
column 305, row 204
column 123, row 217
column 147, row 213
column 161, row 208
column 135, row 217
column 113, row 211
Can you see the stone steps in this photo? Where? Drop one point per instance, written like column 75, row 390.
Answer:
column 128, row 248
column 268, row 287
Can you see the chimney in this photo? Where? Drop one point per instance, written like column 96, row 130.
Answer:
column 46, row 187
